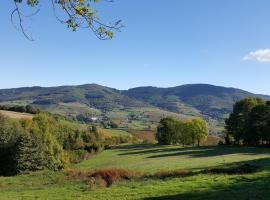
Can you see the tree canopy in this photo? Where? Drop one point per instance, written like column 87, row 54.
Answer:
column 185, row 132
column 75, row 14
column 249, row 123
column 48, row 142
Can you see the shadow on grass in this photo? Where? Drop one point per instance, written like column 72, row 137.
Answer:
column 166, row 151
column 243, row 189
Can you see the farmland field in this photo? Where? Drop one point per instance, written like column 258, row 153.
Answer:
column 151, row 159
column 16, row 115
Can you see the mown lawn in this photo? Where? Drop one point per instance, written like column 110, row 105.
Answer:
column 151, row 158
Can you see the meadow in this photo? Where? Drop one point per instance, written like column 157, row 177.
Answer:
column 16, row 115
column 151, row 159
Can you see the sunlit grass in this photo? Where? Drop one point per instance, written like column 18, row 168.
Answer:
column 151, row 158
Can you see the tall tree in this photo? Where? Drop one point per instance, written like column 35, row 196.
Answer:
column 167, row 131
column 236, row 124
column 199, row 130
column 174, row 131
column 258, row 127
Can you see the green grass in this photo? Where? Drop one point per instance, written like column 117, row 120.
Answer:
column 145, row 117
column 152, row 158
column 118, row 132
column 71, row 109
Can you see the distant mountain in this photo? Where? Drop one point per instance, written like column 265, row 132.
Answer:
column 92, row 95
column 212, row 102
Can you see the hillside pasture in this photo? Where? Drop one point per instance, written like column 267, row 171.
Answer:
column 16, row 115
column 144, row 135
column 117, row 132
column 156, row 160
column 153, row 158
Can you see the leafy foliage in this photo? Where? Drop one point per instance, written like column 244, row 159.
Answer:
column 173, row 131
column 74, row 13
column 22, row 109
column 249, row 122
column 48, row 142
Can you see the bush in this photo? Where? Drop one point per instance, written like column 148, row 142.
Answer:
column 104, row 177
column 79, row 155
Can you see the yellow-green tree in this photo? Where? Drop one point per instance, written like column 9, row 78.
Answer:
column 185, row 132
column 198, row 130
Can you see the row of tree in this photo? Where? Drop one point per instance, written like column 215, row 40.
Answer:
column 249, row 123
column 22, row 109
column 48, row 142
column 185, row 132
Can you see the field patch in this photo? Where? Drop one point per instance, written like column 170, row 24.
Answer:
column 16, row 115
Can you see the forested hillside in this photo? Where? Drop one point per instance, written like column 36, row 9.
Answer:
column 138, row 107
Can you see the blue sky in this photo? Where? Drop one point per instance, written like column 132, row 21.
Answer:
column 164, row 43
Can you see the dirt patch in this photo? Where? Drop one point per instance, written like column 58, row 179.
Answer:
column 144, row 135
column 212, row 141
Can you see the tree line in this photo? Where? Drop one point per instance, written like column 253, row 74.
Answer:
column 22, row 109
column 249, row 123
column 185, row 132
column 48, row 142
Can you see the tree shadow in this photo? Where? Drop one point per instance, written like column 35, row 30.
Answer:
column 135, row 147
column 167, row 151
column 243, row 188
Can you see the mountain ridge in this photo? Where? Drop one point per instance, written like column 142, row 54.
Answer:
column 210, row 101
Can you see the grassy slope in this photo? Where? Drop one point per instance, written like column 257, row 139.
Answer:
column 49, row 185
column 16, row 115
column 71, row 109
column 146, row 117
column 152, row 158
column 117, row 132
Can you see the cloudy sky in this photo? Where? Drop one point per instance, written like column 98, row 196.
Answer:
column 164, row 43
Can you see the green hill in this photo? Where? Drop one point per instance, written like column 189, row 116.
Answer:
column 135, row 108
column 214, row 101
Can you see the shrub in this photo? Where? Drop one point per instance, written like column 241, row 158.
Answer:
column 103, row 177
column 79, row 155
column 106, row 177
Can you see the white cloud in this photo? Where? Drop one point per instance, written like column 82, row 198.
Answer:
column 261, row 55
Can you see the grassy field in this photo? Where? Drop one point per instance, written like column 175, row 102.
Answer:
column 16, row 115
column 150, row 159
column 117, row 132
column 144, row 118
